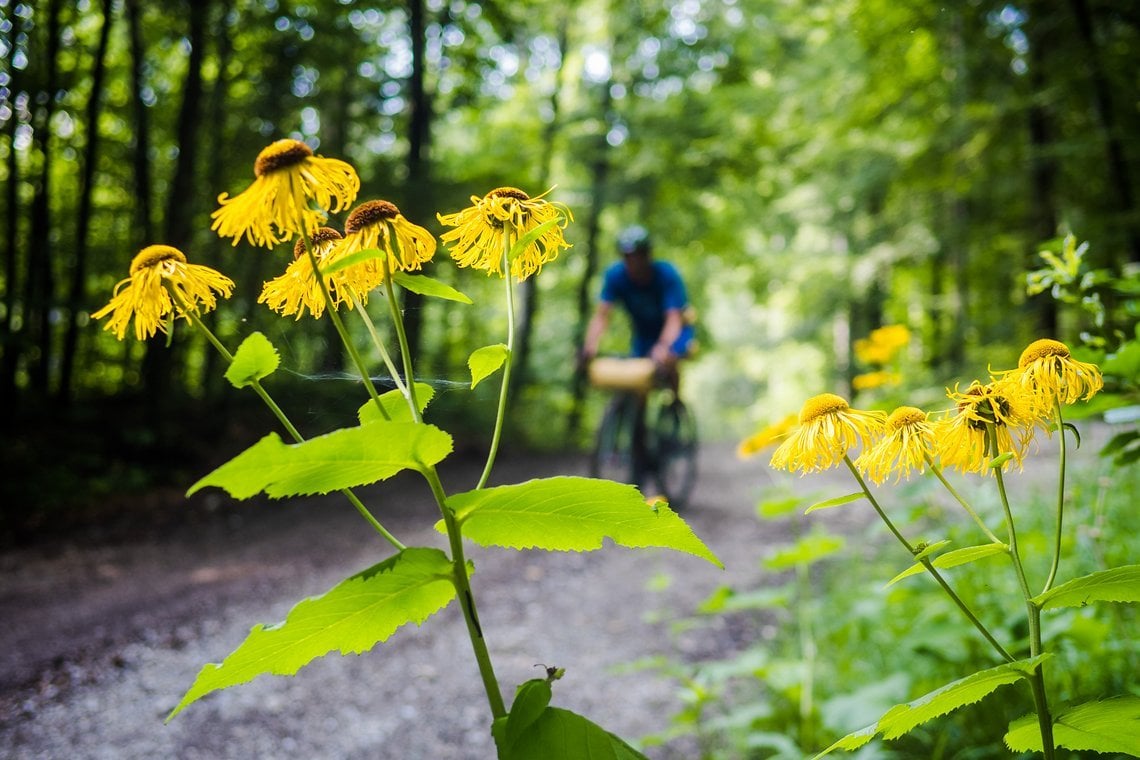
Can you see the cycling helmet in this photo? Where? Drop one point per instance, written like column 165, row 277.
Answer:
column 634, row 239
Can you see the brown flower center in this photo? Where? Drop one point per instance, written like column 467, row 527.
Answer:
column 817, row 406
column 368, row 213
column 508, row 192
column 1042, row 349
column 280, row 155
column 153, row 255
column 323, row 235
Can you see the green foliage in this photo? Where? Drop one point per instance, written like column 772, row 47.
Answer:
column 1117, row 584
column 255, row 359
column 351, row 618
column 395, row 406
column 485, row 361
column 952, row 558
column 341, row 459
column 1112, row 725
column 533, row 729
column 426, row 286
column 571, row 514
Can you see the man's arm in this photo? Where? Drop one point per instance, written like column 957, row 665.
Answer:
column 596, row 329
column 662, row 350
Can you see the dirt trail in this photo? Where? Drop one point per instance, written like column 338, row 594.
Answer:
column 100, row 638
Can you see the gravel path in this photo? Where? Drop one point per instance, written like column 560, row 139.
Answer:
column 100, row 637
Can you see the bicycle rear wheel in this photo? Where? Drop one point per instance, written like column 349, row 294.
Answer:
column 675, row 453
column 612, row 457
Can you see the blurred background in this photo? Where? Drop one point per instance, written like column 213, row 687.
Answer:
column 817, row 169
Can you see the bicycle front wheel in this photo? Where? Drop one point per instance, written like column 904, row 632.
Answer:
column 612, row 457
column 675, row 444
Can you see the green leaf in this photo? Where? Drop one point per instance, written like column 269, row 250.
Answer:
column 771, row 508
column 352, row 617
column 396, row 405
column 1119, row 584
column 426, row 286
column 531, row 700
column 255, row 358
column 559, row 734
column 342, row 459
column 526, row 240
column 805, row 551
column 1111, row 725
column 571, row 514
column 368, row 254
column 928, row 549
column 951, row 559
column 1001, row 459
column 485, row 361
column 836, row 502
column 901, row 719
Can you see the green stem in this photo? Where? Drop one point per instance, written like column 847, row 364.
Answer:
column 1060, row 502
column 401, row 332
column 379, row 343
column 969, row 510
column 279, row 413
column 466, row 598
column 1037, row 681
column 504, row 389
column 349, row 346
column 926, row 564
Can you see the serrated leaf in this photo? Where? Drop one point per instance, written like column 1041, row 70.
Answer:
column 901, row 719
column 255, row 359
column 950, row 559
column 351, row 618
column 805, row 551
column 1119, row 584
column 836, row 502
column 571, row 514
column 531, row 700
column 426, row 286
column 341, row 459
column 486, row 361
column 396, row 405
column 559, row 734
column 1111, row 725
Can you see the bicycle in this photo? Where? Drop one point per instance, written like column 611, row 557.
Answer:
column 647, row 434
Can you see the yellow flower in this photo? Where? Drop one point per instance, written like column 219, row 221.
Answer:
column 145, row 297
column 882, row 344
column 503, row 216
column 380, row 225
column 279, row 204
column 828, row 428
column 1049, row 372
column 870, row 380
column 768, row 436
column 961, row 438
column 298, row 289
column 908, row 442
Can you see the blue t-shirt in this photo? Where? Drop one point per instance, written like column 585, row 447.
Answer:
column 646, row 304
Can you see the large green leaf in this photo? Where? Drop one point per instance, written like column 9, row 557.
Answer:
column 426, row 286
column 571, row 514
column 351, row 618
column 342, row 459
column 535, row 731
column 1120, row 584
column 901, row 719
column 486, row 361
column 395, row 405
column 1112, row 725
column 255, row 358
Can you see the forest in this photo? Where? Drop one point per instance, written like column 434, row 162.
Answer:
column 815, row 169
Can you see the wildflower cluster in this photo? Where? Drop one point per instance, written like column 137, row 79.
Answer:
column 986, row 423
column 291, row 197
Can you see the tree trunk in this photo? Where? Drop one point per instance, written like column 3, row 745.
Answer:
column 144, row 194
column 41, row 275
column 78, row 285
column 159, row 365
column 1119, row 174
column 528, row 291
column 10, row 332
column 418, row 192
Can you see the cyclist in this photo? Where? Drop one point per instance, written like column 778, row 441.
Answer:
column 653, row 295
